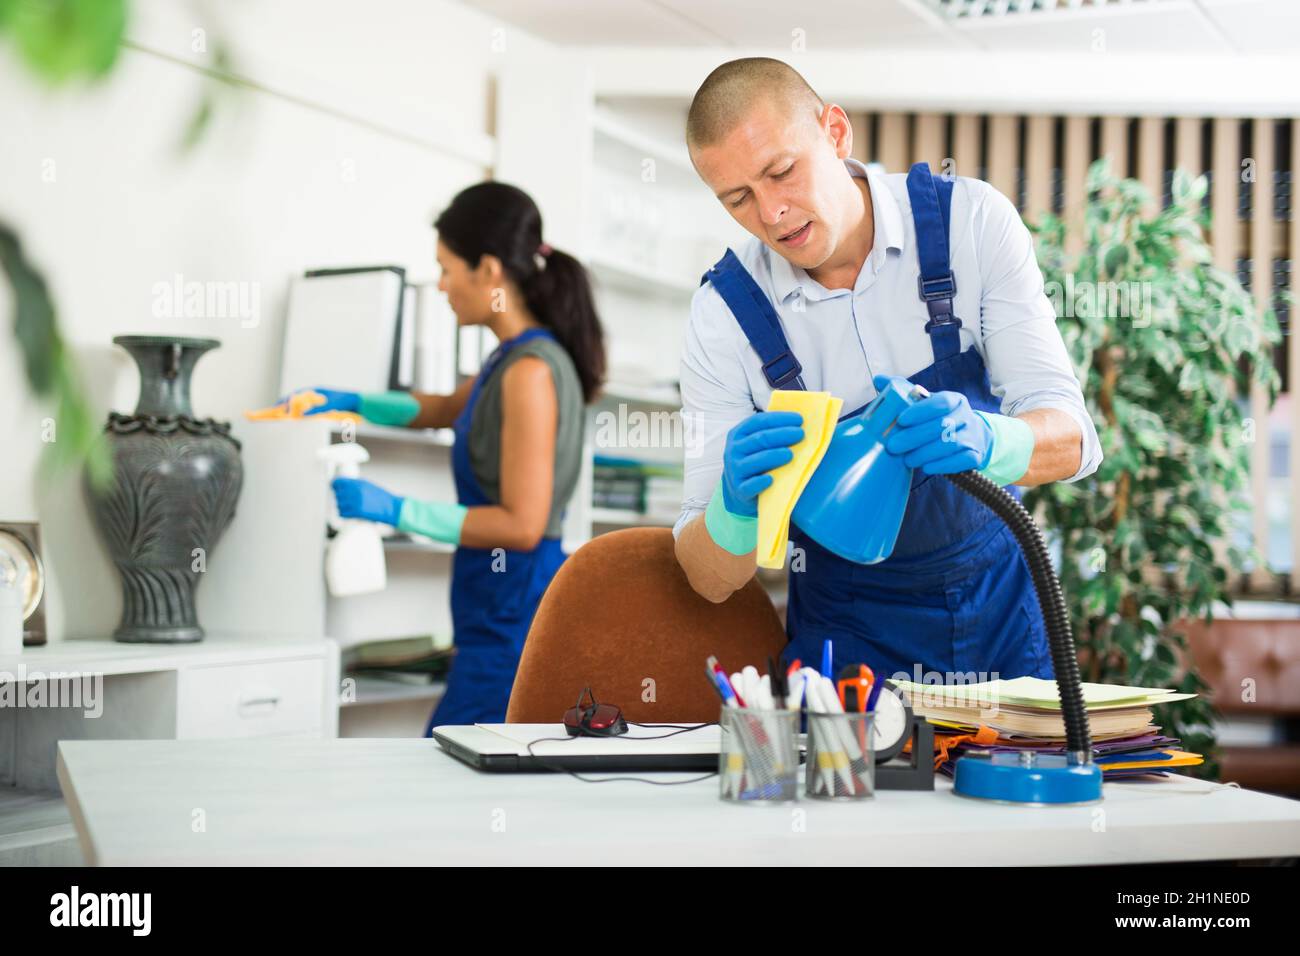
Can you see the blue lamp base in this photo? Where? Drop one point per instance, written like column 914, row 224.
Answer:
column 1027, row 778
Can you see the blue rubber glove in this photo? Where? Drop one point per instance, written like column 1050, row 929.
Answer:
column 358, row 498
column 941, row 435
column 335, row 400
column 754, row 447
column 379, row 408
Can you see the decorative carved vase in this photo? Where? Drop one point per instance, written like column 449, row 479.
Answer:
column 176, row 481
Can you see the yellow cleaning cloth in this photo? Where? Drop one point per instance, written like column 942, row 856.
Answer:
column 820, row 411
column 296, row 407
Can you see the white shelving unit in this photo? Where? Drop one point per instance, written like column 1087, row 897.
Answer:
column 618, row 518
column 367, row 434
column 658, row 396
column 624, row 131
column 651, row 228
column 639, row 279
column 404, row 542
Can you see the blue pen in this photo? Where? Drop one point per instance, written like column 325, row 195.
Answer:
column 874, row 695
column 729, row 697
column 827, row 659
column 735, row 761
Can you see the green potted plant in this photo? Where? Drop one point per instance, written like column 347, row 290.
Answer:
column 1166, row 346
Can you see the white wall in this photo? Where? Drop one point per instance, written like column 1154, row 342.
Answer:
column 361, row 122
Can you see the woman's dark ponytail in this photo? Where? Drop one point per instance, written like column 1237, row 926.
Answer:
column 559, row 294
column 501, row 220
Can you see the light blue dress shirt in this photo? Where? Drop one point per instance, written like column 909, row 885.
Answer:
column 843, row 337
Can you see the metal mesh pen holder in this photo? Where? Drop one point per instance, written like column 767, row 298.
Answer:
column 759, row 758
column 841, row 762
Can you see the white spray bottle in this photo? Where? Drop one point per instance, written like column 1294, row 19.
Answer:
column 354, row 557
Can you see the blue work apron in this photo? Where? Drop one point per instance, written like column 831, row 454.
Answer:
column 494, row 591
column 955, row 598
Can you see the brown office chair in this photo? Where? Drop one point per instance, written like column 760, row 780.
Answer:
column 620, row 617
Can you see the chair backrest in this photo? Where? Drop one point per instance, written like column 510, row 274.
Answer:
column 620, row 617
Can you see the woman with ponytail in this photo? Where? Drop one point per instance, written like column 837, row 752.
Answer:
column 518, row 427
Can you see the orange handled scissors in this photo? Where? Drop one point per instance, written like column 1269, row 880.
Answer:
column 854, row 686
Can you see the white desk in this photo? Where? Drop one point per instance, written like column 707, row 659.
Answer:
column 373, row 801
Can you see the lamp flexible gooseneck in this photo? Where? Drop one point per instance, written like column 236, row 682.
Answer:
column 1051, row 600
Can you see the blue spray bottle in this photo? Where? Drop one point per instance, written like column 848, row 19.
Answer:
column 853, row 505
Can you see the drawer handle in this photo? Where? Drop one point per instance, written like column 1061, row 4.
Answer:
column 269, row 703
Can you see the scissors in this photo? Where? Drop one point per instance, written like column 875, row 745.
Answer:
column 854, row 686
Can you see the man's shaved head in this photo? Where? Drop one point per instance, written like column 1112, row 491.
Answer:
column 773, row 154
column 729, row 92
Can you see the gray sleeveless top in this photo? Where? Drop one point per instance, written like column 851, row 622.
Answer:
column 485, row 427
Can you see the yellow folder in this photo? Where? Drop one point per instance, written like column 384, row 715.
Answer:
column 820, row 411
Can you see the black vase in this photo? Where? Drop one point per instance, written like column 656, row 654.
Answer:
column 176, row 481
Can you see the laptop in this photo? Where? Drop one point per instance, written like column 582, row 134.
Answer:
column 506, row 748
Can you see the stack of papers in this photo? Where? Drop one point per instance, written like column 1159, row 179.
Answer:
column 1025, row 713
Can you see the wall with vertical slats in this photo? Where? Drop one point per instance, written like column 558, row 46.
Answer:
column 1040, row 162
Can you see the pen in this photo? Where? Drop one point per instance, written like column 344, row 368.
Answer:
column 821, row 742
column 748, row 690
column 726, row 680
column 874, row 695
column 736, row 758
column 794, row 691
column 856, row 753
column 776, row 677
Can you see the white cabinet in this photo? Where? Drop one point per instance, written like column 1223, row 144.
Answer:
column 265, row 699
column 227, row 686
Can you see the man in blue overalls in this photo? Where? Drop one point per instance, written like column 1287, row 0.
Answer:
column 854, row 276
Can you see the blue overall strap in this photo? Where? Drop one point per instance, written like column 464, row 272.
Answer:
column 931, row 198
column 758, row 320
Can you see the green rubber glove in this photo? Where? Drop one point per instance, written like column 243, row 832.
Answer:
column 730, row 532
column 1013, row 447
column 440, row 520
column 388, row 408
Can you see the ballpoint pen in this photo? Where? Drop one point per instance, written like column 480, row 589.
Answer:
column 717, row 668
column 784, row 702
column 856, row 683
column 736, row 763
column 855, row 759
column 750, row 730
column 736, row 758
column 831, row 758
column 778, row 682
